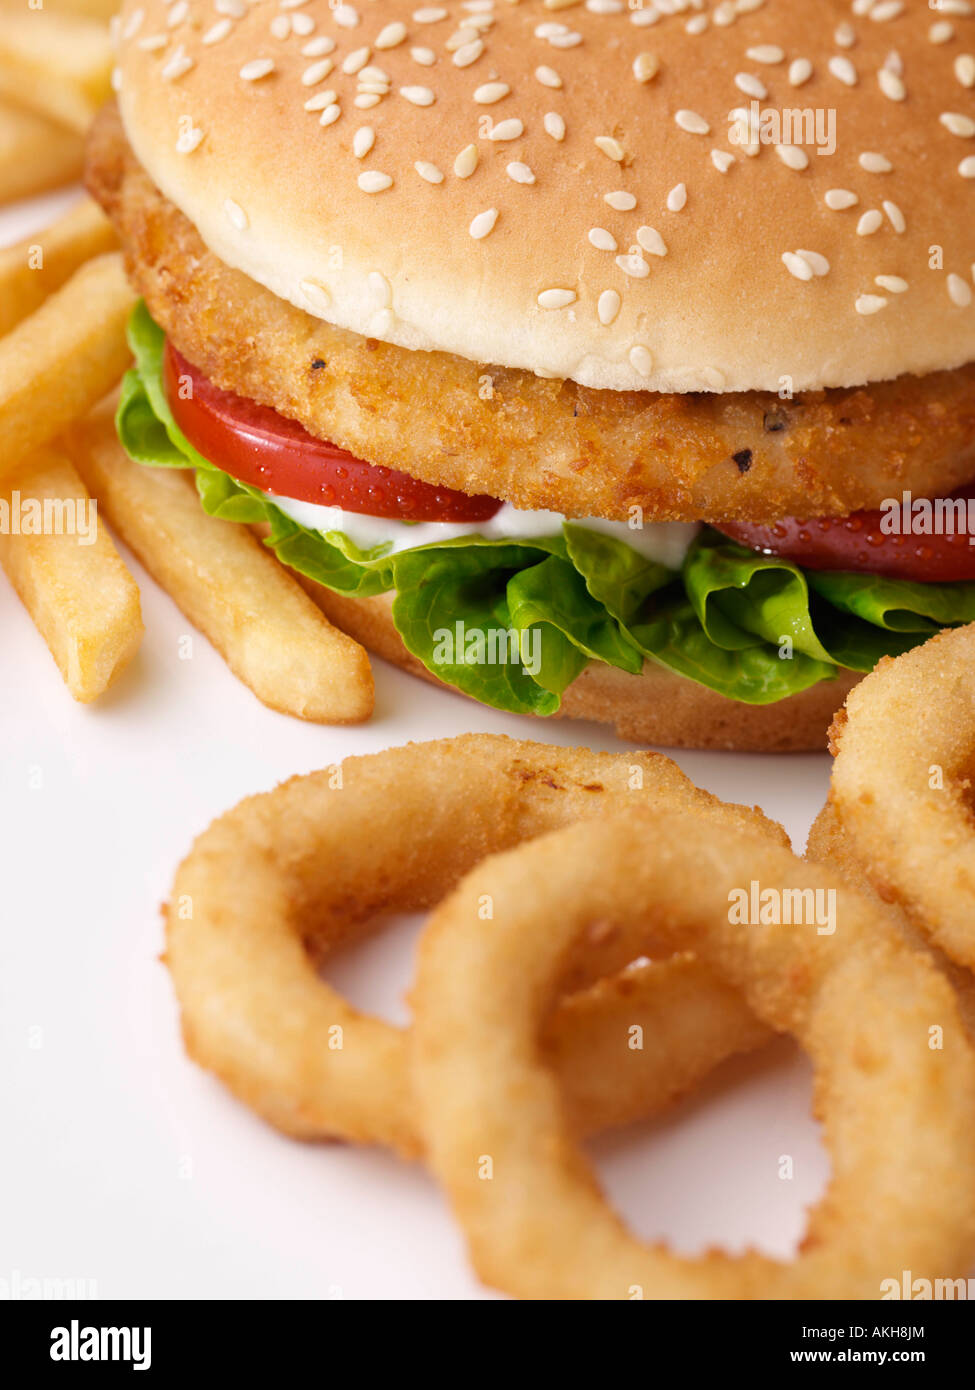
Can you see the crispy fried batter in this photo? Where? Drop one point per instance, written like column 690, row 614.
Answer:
column 534, row 442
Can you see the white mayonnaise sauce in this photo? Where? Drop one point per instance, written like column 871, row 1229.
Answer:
column 664, row 541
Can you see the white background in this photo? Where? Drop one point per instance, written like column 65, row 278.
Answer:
column 125, row 1165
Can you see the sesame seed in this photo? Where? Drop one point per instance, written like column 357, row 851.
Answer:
column 634, row 266
column 817, row 263
column 281, row 26
column 602, row 239
column 893, row 283
column 153, row 42
column 792, row 156
column 800, row 71
column 620, row 200
column 491, row 92
column 610, row 147
column 511, row 129
column 565, row 40
column 957, row 124
column 461, row 37
column 372, row 73
column 424, row 56
column 483, row 223
column 722, row 160
column 345, row 16
column 556, row 299
column 967, row 167
column 965, row 69
column 176, row 66
column 895, row 216
column 797, row 265
column 236, row 215
column 646, row 66
column 677, row 197
column 765, row 53
column 942, row 32
column 466, row 161
column 554, row 125
column 317, row 72
column 844, row 35
column 869, row 223
column 321, row 99
column 875, row 163
column 417, row 96
column 469, row 53
column 651, row 241
column 256, row 69
column 302, row 24
column 189, row 139
column 692, row 123
column 392, row 35
column 356, row 60
column 330, row 114
column 891, row 85
column 751, row 85
column 315, row 48
column 520, row 173
column 696, row 24
column 843, row 69
column 887, row 9
column 959, row 291
column 365, row 101
column 429, row 15
column 839, row 199
column 363, row 141
column 726, row 13
column 548, row 76
column 607, row 307
column 315, row 293
column 870, row 304
column 641, row 360
column 372, row 181
column 429, row 172
column 236, row 9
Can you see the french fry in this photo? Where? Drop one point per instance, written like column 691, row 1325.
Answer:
column 83, row 600
column 35, row 154
column 36, row 267
column 265, row 626
column 58, row 362
column 59, row 65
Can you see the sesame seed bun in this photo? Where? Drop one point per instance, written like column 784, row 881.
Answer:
column 461, row 203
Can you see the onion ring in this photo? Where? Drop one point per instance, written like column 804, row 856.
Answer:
column 828, row 843
column 904, row 748
column 899, row 1117
column 277, row 883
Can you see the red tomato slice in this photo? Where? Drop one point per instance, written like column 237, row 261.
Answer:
column 256, row 445
column 856, row 542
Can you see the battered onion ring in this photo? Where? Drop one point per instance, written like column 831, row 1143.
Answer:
column 829, row 844
column 909, row 724
column 899, row 1117
column 280, row 881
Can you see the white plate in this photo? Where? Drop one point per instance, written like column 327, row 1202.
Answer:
column 124, row 1165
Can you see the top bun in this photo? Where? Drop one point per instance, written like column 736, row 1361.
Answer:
column 564, row 187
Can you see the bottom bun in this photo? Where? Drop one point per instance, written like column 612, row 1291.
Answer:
column 655, row 707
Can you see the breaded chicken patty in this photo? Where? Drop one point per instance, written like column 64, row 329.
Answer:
column 533, row 442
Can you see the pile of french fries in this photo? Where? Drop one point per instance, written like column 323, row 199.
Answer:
column 64, row 302
column 55, row 72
